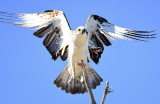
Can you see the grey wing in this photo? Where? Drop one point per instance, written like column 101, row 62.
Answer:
column 100, row 31
column 53, row 44
column 51, row 23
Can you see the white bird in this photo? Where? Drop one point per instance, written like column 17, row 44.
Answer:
column 84, row 43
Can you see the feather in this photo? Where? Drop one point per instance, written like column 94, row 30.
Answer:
column 99, row 29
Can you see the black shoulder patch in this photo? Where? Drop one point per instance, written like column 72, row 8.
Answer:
column 49, row 11
column 100, row 19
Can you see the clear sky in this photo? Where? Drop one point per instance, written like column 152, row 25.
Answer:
column 132, row 68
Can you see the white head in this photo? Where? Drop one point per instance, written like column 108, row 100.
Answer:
column 81, row 30
column 81, row 35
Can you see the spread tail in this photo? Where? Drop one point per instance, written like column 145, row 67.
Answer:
column 77, row 85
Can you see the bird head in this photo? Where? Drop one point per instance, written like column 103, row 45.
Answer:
column 81, row 30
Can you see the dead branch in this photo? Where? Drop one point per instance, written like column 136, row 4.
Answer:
column 106, row 91
column 87, row 83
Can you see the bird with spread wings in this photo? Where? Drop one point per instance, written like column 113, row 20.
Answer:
column 84, row 43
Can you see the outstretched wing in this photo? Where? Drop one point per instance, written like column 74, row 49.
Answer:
column 100, row 30
column 52, row 23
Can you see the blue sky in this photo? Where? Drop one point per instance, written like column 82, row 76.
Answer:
column 132, row 68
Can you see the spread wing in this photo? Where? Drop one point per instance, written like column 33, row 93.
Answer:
column 51, row 23
column 99, row 30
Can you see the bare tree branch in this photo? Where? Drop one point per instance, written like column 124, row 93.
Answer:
column 87, row 83
column 85, row 75
column 106, row 91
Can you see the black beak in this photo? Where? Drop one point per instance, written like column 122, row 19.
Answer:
column 83, row 31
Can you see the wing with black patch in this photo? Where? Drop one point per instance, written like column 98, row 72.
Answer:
column 103, row 30
column 96, row 49
column 51, row 23
column 52, row 42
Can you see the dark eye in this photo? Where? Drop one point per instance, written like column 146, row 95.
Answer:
column 79, row 29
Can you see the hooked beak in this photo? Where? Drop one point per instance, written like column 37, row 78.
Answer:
column 83, row 31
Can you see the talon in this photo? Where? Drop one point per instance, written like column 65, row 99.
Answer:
column 79, row 63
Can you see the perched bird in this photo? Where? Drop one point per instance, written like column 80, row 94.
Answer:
column 84, row 43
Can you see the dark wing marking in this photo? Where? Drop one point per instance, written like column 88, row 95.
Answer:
column 52, row 23
column 51, row 42
column 43, row 31
column 103, row 30
column 64, row 56
column 102, row 38
column 95, row 54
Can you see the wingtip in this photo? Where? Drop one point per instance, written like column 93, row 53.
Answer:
column 140, row 31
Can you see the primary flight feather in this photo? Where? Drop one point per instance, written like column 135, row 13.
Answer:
column 84, row 43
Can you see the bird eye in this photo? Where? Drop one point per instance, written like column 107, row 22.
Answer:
column 79, row 29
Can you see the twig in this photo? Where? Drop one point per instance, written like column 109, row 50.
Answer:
column 106, row 91
column 87, row 83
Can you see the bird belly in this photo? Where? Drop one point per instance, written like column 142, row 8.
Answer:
column 76, row 54
column 79, row 54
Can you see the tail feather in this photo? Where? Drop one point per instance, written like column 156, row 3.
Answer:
column 77, row 85
column 59, row 82
column 94, row 78
column 65, row 86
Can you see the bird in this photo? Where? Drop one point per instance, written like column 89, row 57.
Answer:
column 85, row 43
